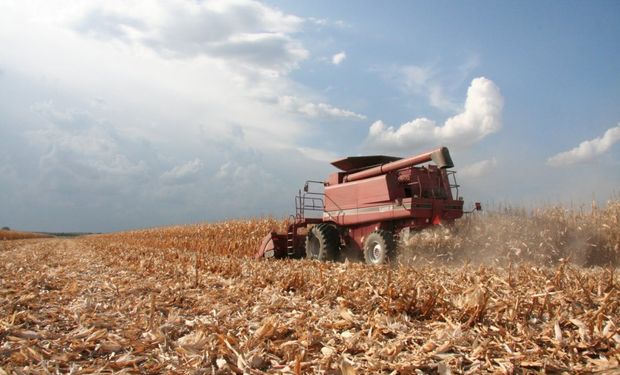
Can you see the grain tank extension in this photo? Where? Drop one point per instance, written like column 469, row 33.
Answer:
column 368, row 205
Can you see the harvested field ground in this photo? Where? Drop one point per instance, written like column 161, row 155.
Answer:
column 168, row 301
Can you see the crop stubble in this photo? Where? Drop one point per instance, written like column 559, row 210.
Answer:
column 189, row 300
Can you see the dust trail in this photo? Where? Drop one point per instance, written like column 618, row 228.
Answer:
column 545, row 237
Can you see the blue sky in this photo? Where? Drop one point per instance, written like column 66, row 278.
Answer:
column 118, row 115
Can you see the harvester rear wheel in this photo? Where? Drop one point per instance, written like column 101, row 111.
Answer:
column 379, row 247
column 322, row 242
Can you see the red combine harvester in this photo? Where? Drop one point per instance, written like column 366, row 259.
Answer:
column 368, row 205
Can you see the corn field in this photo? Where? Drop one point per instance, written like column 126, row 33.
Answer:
column 504, row 292
column 6, row 235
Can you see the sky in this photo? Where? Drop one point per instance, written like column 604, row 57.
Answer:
column 117, row 115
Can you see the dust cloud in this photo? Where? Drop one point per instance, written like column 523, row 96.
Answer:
column 544, row 237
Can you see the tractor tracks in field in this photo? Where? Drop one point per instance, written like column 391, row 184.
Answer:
column 61, row 303
column 61, row 278
column 54, row 271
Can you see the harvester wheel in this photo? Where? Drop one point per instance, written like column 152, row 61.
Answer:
column 322, row 242
column 379, row 247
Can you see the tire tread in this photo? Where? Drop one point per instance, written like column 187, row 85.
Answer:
column 389, row 244
column 329, row 242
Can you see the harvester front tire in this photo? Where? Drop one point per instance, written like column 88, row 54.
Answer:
column 322, row 242
column 379, row 247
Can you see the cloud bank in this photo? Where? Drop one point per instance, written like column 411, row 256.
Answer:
column 120, row 115
column 587, row 150
column 247, row 33
column 481, row 116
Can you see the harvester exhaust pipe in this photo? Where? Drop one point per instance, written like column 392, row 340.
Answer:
column 440, row 156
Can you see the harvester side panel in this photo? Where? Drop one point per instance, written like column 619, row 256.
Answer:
column 360, row 193
column 423, row 212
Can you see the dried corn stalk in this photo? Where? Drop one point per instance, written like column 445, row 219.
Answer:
column 144, row 302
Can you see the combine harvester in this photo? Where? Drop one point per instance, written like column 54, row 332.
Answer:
column 368, row 206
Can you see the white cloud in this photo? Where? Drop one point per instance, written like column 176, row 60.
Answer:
column 481, row 116
column 338, row 58
column 184, row 171
column 139, row 104
column 421, row 80
column 117, row 51
column 318, row 154
column 433, row 82
column 295, row 104
column 587, row 150
column 246, row 33
column 242, row 175
column 323, row 22
column 75, row 136
column 416, row 76
column 479, row 168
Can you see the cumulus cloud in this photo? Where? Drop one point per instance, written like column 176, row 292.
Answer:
column 479, row 168
column 241, row 32
column 295, row 104
column 587, row 150
column 338, row 58
column 481, row 116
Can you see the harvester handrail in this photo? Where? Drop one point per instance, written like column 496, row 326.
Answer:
column 454, row 185
column 308, row 200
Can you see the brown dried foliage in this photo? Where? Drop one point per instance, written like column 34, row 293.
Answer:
column 510, row 235
column 171, row 300
column 544, row 236
column 234, row 237
column 6, row 235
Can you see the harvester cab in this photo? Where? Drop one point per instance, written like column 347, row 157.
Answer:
column 366, row 205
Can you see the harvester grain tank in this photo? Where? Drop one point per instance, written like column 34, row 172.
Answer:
column 368, row 205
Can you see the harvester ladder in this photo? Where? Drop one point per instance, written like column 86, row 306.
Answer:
column 306, row 201
column 290, row 236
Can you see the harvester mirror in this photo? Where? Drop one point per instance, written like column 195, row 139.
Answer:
column 306, row 187
column 478, row 206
